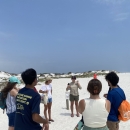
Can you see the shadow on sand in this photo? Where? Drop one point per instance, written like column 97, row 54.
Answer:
column 65, row 114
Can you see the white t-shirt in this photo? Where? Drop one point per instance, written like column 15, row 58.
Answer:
column 47, row 88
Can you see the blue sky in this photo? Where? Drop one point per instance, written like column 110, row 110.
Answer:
column 64, row 35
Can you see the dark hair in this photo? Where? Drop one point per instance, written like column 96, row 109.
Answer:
column 28, row 76
column 94, row 87
column 7, row 89
column 73, row 77
column 112, row 78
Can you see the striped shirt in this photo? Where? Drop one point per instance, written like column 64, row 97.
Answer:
column 10, row 103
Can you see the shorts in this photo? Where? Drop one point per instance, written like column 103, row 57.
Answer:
column 11, row 117
column 89, row 128
column 74, row 98
column 49, row 100
column 113, row 125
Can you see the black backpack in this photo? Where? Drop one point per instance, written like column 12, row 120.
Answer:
column 2, row 102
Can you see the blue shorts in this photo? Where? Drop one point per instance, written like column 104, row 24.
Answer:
column 49, row 100
column 11, row 117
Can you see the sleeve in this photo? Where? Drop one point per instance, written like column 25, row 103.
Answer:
column 43, row 88
column 51, row 86
column 36, row 104
column 109, row 97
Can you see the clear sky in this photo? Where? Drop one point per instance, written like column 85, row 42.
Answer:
column 62, row 36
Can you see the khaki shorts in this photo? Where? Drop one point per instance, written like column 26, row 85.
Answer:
column 74, row 98
column 113, row 125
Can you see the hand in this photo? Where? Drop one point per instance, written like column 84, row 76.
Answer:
column 46, row 91
column 77, row 82
column 105, row 95
column 69, row 86
column 45, row 126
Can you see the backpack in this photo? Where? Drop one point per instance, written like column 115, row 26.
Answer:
column 2, row 102
column 124, row 110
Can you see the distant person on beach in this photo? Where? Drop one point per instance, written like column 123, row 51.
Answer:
column 94, row 109
column 9, row 92
column 115, row 98
column 74, row 94
column 95, row 76
column 28, row 105
column 47, row 88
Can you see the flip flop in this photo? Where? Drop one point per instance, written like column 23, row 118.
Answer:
column 51, row 120
column 77, row 115
column 72, row 115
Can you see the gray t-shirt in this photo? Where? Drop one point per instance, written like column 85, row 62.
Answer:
column 74, row 88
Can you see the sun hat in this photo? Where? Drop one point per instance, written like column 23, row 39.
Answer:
column 14, row 79
column 48, row 79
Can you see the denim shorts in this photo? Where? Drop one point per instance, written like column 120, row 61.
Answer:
column 11, row 117
column 49, row 100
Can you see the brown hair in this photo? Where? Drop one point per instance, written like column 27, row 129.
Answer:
column 94, row 87
column 46, row 82
column 73, row 77
column 7, row 89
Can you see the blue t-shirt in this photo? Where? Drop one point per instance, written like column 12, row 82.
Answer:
column 115, row 96
column 27, row 103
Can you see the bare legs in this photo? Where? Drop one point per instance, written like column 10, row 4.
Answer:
column 45, row 111
column 76, row 106
column 48, row 107
column 49, row 110
column 71, row 106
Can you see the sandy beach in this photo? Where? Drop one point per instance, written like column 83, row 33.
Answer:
column 60, row 114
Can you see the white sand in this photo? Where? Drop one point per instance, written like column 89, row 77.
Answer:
column 62, row 118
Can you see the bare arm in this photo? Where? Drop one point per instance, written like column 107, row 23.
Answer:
column 37, row 118
column 68, row 88
column 13, row 92
column 79, row 86
column 40, row 91
column 81, row 106
column 108, row 105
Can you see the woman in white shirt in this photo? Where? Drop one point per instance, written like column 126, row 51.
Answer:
column 94, row 109
column 47, row 89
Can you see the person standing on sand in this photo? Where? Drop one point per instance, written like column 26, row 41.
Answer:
column 94, row 109
column 114, row 97
column 28, row 105
column 95, row 76
column 74, row 94
column 47, row 88
column 9, row 92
